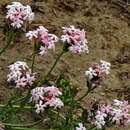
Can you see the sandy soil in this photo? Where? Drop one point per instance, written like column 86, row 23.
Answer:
column 108, row 33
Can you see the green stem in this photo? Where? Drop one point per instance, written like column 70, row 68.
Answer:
column 23, row 125
column 9, row 103
column 90, row 88
column 32, row 69
column 10, row 36
column 81, row 98
column 30, row 107
column 93, row 128
column 19, row 128
column 52, row 68
column 16, row 106
column 60, row 115
column 18, row 100
column 34, row 56
column 57, row 117
column 87, row 92
column 25, row 99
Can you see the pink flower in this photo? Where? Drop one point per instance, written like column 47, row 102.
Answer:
column 106, row 108
column 39, row 107
column 80, row 127
column 118, row 113
column 37, row 94
column 20, row 75
column 44, row 97
column 19, row 14
column 100, row 119
column 54, row 102
column 32, row 34
column 52, row 91
column 45, row 39
column 76, row 40
column 97, row 72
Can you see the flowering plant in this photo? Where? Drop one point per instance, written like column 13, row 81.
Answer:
column 46, row 97
column 18, row 14
column 54, row 103
column 20, row 75
column 117, row 113
column 75, row 38
column 46, row 40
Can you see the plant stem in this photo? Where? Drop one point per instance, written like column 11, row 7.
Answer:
column 32, row 69
column 57, row 117
column 34, row 56
column 87, row 92
column 30, row 107
column 23, row 125
column 18, row 100
column 93, row 128
column 60, row 115
column 20, row 128
column 9, row 36
column 52, row 68
column 90, row 88
column 9, row 103
column 16, row 106
column 25, row 99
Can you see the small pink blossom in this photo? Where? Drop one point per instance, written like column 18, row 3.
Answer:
column 100, row 119
column 46, row 40
column 54, row 102
column 20, row 75
column 19, row 14
column 80, row 127
column 39, row 107
column 52, row 91
column 37, row 94
column 44, row 97
column 118, row 113
column 106, row 108
column 75, row 38
column 97, row 72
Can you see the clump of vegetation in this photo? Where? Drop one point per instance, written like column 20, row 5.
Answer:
column 55, row 104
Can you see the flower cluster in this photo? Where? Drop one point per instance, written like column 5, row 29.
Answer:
column 80, row 127
column 20, row 75
column 44, row 97
column 118, row 113
column 19, row 14
column 46, row 40
column 75, row 38
column 97, row 72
